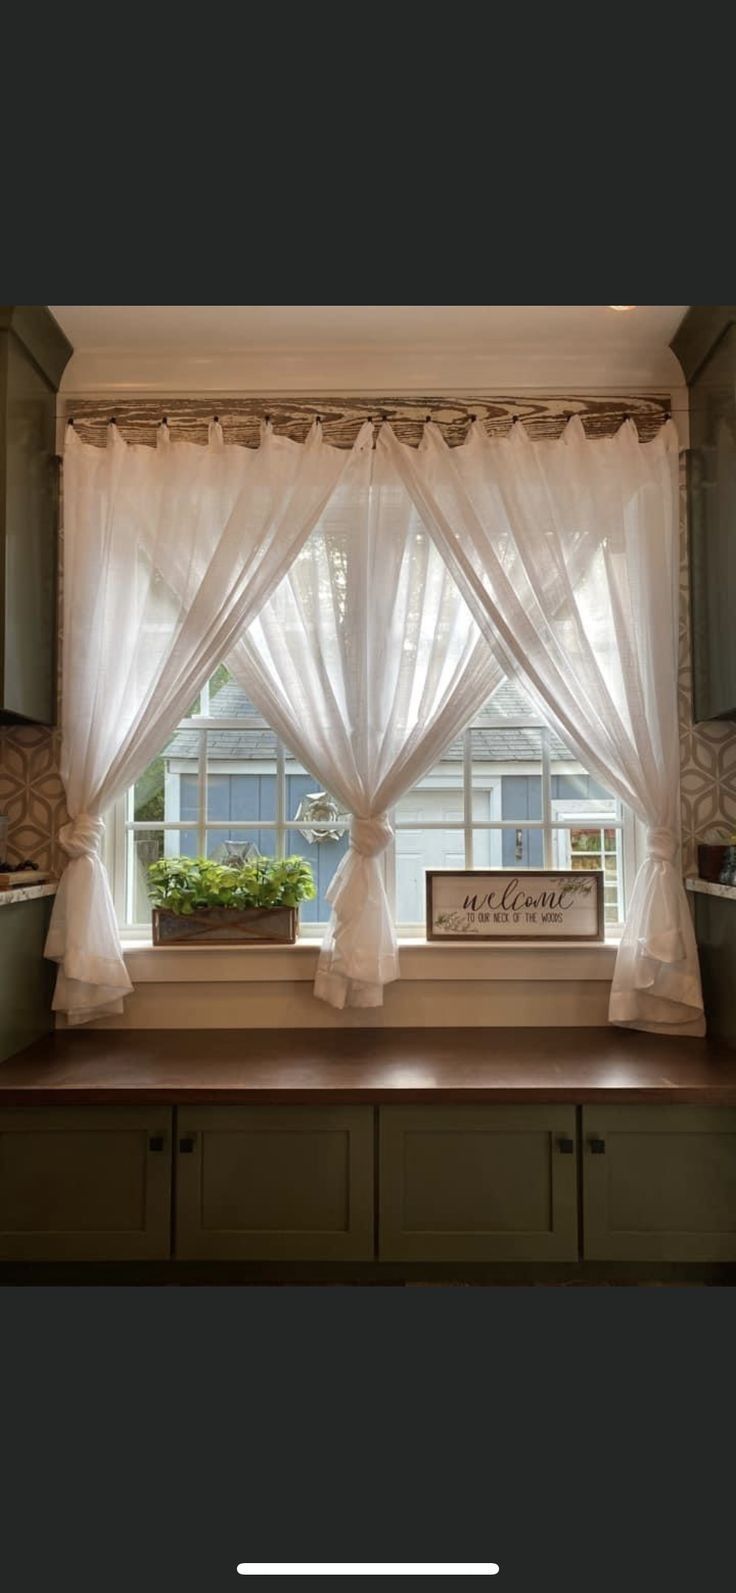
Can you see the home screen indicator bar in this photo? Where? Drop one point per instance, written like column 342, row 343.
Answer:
column 370, row 1568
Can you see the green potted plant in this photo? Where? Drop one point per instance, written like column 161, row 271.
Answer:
column 198, row 900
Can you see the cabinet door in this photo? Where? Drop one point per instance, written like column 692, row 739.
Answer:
column 83, row 1183
column 659, row 1183
column 27, row 977
column 478, row 1183
column 275, row 1182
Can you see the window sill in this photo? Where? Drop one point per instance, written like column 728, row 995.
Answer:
column 420, row 960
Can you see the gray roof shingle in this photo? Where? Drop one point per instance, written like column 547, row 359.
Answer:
column 256, row 741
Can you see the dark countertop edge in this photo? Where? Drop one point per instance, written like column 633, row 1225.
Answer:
column 586, row 1095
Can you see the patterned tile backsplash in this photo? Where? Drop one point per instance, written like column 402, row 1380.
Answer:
column 707, row 751
column 32, row 795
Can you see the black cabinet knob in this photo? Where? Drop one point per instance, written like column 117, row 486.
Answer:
column 186, row 1145
column 156, row 1142
column 598, row 1147
column 567, row 1146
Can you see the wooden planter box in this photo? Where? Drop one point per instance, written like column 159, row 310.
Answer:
column 225, row 926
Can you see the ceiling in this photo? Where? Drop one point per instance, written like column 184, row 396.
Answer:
column 244, row 347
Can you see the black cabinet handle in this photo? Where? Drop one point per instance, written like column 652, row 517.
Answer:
column 186, row 1145
column 156, row 1142
column 567, row 1146
column 598, row 1147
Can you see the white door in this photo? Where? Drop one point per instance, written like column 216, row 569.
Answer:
column 419, row 850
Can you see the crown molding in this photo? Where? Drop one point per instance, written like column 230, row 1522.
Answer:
column 370, row 369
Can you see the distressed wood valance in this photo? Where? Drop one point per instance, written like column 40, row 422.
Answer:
column 342, row 417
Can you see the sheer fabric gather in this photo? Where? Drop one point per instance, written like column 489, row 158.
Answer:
column 369, row 600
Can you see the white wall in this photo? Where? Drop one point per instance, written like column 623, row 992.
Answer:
column 408, row 1004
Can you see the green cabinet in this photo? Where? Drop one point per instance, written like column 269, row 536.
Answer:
column 478, row 1183
column 442, row 1183
column 26, row 976
column 659, row 1183
column 85, row 1183
column 275, row 1183
column 33, row 354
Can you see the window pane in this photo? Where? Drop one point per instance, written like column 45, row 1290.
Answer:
column 505, row 747
column 416, row 851
column 586, row 840
column 306, row 799
column 241, row 773
column 185, row 803
column 149, row 796
column 223, row 698
column 180, row 777
column 579, row 791
column 307, row 803
column 521, row 849
column 243, row 797
column 145, row 847
column 241, row 786
column 182, row 843
column 323, row 857
column 221, row 677
column 436, row 800
column 236, row 846
column 509, row 701
column 438, row 796
column 487, row 849
column 507, row 781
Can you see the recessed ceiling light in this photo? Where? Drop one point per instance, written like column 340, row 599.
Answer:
column 622, row 306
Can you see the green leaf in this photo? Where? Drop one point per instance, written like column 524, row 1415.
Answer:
column 182, row 884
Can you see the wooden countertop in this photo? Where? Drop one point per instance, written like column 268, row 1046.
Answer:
column 357, row 1065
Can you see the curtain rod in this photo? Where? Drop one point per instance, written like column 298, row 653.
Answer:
column 611, row 414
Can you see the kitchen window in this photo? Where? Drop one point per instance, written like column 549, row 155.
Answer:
column 507, row 793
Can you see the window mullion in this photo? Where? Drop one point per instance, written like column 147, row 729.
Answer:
column 468, row 796
column 547, row 798
column 280, row 799
column 202, row 792
column 128, row 856
column 389, row 865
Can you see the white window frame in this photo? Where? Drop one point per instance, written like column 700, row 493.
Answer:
column 120, row 821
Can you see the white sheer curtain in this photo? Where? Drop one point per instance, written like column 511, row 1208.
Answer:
column 367, row 662
column 168, row 554
column 567, row 554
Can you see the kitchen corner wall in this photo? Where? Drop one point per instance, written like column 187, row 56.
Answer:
column 31, row 792
column 707, row 751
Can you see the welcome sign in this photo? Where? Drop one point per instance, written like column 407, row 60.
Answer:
column 515, row 904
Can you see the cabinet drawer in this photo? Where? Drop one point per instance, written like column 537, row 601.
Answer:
column 84, row 1183
column 275, row 1182
column 478, row 1183
column 659, row 1183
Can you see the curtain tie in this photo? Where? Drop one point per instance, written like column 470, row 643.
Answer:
column 370, row 837
column 662, row 844
column 82, row 836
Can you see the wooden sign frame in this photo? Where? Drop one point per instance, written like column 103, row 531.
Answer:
column 517, row 924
